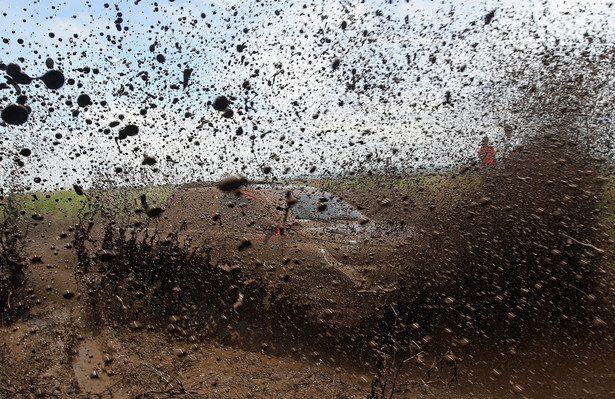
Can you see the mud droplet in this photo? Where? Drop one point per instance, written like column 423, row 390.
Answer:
column 130, row 130
column 228, row 113
column 37, row 217
column 336, row 63
column 187, row 73
column 245, row 244
column 154, row 212
column 84, row 100
column 13, row 69
column 106, row 256
column 15, row 114
column 232, row 182
column 149, row 161
column 239, row 302
column 135, row 325
column 221, row 103
column 25, row 152
column 149, row 210
column 78, row 189
column 291, row 199
column 22, row 78
column 49, row 63
column 179, row 352
column 53, row 79
column 517, row 389
column 489, row 17
column 484, row 201
column 598, row 322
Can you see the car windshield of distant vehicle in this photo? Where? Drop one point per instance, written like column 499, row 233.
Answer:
column 322, row 206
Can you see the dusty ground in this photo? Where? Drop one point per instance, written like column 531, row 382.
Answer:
column 503, row 288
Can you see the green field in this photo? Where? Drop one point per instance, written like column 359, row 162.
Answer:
column 67, row 204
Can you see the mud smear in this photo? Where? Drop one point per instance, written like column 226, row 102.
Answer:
column 519, row 265
column 522, row 252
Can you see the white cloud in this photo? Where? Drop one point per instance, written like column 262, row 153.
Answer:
column 415, row 122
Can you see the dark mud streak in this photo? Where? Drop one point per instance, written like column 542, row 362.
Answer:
column 13, row 265
column 507, row 261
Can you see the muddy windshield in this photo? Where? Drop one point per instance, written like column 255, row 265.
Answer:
column 322, row 206
column 307, row 199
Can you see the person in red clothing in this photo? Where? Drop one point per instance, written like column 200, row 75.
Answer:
column 486, row 154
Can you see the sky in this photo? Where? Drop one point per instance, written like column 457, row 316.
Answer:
column 417, row 85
